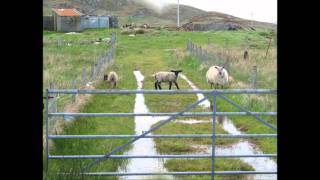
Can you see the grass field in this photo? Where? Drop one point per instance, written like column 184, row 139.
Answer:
column 152, row 52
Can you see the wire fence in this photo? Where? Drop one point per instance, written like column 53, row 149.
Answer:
column 89, row 76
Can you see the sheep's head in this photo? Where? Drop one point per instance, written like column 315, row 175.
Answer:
column 105, row 77
column 220, row 71
column 176, row 72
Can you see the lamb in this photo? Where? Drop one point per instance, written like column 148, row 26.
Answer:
column 112, row 78
column 217, row 75
column 164, row 76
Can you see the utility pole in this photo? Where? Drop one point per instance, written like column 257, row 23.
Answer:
column 252, row 19
column 178, row 18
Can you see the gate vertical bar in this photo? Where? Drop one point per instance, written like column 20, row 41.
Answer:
column 47, row 131
column 213, row 133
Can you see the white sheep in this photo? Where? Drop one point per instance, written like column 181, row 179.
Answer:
column 164, row 76
column 112, row 78
column 217, row 75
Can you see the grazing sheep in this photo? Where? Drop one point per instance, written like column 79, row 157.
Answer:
column 112, row 78
column 170, row 77
column 217, row 76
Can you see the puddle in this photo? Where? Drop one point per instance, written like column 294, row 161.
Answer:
column 192, row 121
column 259, row 164
column 228, row 126
column 204, row 104
column 68, row 118
column 145, row 146
column 245, row 147
column 242, row 147
column 72, row 33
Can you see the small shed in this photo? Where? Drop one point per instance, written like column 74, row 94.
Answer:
column 67, row 20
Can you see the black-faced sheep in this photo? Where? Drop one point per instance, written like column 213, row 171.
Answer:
column 217, row 76
column 112, row 78
column 164, row 76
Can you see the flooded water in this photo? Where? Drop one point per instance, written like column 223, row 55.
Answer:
column 68, row 118
column 192, row 121
column 204, row 104
column 144, row 146
column 245, row 147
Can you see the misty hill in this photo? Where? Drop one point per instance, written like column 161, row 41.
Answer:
column 135, row 11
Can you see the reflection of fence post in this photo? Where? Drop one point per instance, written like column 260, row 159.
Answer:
column 254, row 77
column 84, row 76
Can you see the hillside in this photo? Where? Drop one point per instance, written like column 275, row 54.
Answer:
column 134, row 11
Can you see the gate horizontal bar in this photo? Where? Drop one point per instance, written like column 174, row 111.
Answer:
column 162, row 136
column 157, row 156
column 162, row 114
column 184, row 91
column 177, row 173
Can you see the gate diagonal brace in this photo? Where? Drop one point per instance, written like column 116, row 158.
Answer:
column 191, row 106
column 242, row 109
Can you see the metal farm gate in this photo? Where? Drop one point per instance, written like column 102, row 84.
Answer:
column 185, row 112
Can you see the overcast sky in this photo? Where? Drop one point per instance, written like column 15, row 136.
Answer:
column 262, row 10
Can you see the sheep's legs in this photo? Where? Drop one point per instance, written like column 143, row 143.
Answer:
column 176, row 85
column 170, row 84
column 211, row 85
column 159, row 83
column 156, row 85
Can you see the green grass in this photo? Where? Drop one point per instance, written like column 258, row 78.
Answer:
column 205, row 165
column 184, row 145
